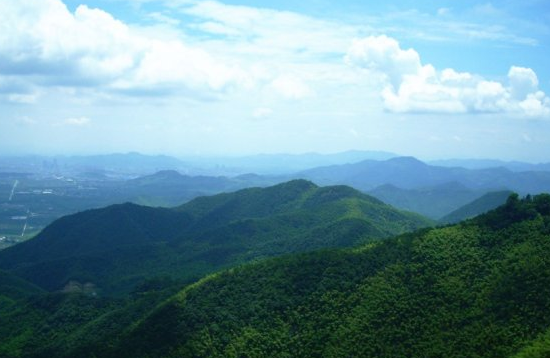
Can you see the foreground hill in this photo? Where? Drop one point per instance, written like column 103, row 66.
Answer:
column 478, row 289
column 116, row 248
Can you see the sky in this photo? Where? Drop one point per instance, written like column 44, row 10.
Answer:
column 437, row 79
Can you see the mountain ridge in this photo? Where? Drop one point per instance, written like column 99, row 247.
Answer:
column 118, row 246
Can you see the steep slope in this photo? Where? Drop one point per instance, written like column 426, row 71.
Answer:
column 478, row 289
column 169, row 188
column 116, row 248
column 13, row 288
column 479, row 206
column 110, row 248
column 433, row 202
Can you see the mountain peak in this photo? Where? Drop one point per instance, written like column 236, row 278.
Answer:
column 406, row 160
column 299, row 184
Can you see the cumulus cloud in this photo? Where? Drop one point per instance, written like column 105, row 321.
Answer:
column 77, row 121
column 262, row 112
column 271, row 32
column 410, row 86
column 291, row 87
column 47, row 45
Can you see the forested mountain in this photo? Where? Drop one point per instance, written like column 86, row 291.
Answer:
column 13, row 288
column 477, row 289
column 433, row 202
column 410, row 173
column 170, row 188
column 116, row 248
column 479, row 206
column 405, row 183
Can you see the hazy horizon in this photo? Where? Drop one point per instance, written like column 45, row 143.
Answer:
column 221, row 156
column 235, row 78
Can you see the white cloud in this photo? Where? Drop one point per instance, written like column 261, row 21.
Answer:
column 383, row 54
column 262, row 31
column 26, row 121
column 443, row 11
column 291, row 87
column 77, row 121
column 262, row 112
column 523, row 81
column 22, row 98
column 51, row 46
column 43, row 45
column 162, row 18
column 410, row 86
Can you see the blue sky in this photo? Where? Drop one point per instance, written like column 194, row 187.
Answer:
column 433, row 79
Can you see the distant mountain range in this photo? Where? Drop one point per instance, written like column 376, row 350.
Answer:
column 101, row 166
column 404, row 182
column 410, row 173
column 514, row 166
column 479, row 206
column 276, row 164
column 266, row 164
column 135, row 164
column 433, row 201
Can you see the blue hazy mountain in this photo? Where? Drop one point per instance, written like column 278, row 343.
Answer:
column 411, row 173
column 486, row 202
column 515, row 166
column 433, row 202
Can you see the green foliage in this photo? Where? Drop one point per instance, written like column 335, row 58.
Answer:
column 432, row 201
column 477, row 289
column 477, row 207
column 472, row 290
column 118, row 247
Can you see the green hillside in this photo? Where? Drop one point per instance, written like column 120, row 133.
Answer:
column 13, row 288
column 479, row 206
column 118, row 247
column 433, row 201
column 478, row 289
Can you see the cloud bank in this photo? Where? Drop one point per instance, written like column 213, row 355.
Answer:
column 412, row 87
column 43, row 44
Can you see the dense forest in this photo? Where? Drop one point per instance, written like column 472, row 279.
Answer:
column 480, row 288
column 117, row 247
